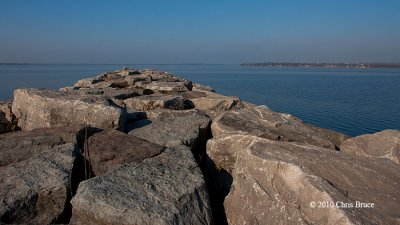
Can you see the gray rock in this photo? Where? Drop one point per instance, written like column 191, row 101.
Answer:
column 138, row 80
column 5, row 125
column 120, row 83
column 167, row 86
column 122, row 93
column 277, row 183
column 6, row 110
column 6, row 117
column 127, row 72
column 384, row 144
column 263, row 122
column 216, row 102
column 172, row 131
column 165, row 114
column 192, row 94
column 199, row 87
column 87, row 83
column 335, row 137
column 22, row 145
column 38, row 108
column 149, row 102
column 110, row 148
column 166, row 189
column 37, row 191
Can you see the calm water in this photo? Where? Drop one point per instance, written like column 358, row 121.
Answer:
column 352, row 101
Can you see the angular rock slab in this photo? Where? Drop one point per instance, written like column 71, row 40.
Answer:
column 199, row 87
column 167, row 86
column 6, row 109
column 166, row 189
column 22, row 145
column 5, row 125
column 384, row 144
column 172, row 131
column 6, row 117
column 263, row 122
column 38, row 108
column 277, row 183
column 37, row 191
column 110, row 148
column 149, row 102
column 216, row 102
column 165, row 114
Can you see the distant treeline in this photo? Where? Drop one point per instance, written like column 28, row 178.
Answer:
column 327, row 65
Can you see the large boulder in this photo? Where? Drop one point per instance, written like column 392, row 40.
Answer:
column 263, row 122
column 88, row 82
column 166, row 189
column 167, row 87
column 22, row 145
column 110, row 148
column 5, row 125
column 384, row 144
column 165, row 114
column 191, row 130
column 291, row 183
column 149, row 102
column 200, row 87
column 6, row 110
column 6, row 117
column 216, row 102
column 37, row 191
column 37, row 108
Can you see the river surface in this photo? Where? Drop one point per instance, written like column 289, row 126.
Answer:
column 352, row 101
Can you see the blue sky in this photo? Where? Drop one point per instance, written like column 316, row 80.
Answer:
column 219, row 31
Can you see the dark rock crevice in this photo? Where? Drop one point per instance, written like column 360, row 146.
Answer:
column 218, row 180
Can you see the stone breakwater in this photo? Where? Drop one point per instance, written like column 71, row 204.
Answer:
column 147, row 147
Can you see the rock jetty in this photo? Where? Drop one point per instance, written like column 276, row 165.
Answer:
column 147, row 147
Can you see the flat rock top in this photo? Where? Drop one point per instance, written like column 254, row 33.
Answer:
column 35, row 191
column 342, row 176
column 168, row 132
column 110, row 148
column 165, row 189
column 263, row 122
column 384, row 144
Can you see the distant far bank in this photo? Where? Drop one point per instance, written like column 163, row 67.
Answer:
column 326, row 65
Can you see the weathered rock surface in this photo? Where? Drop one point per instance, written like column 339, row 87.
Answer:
column 165, row 114
column 22, row 145
column 384, row 144
column 38, row 108
column 275, row 183
column 149, row 102
column 87, row 82
column 6, row 117
column 37, row 191
column 166, row 189
column 199, row 87
column 263, row 122
column 110, row 148
column 6, row 110
column 169, row 132
column 217, row 102
column 335, row 137
column 5, row 125
column 167, row 87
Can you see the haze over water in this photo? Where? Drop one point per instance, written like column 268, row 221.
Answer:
column 352, row 101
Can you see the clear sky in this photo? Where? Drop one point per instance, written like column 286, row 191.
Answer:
column 199, row 31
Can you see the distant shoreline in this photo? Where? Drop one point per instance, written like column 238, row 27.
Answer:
column 326, row 65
